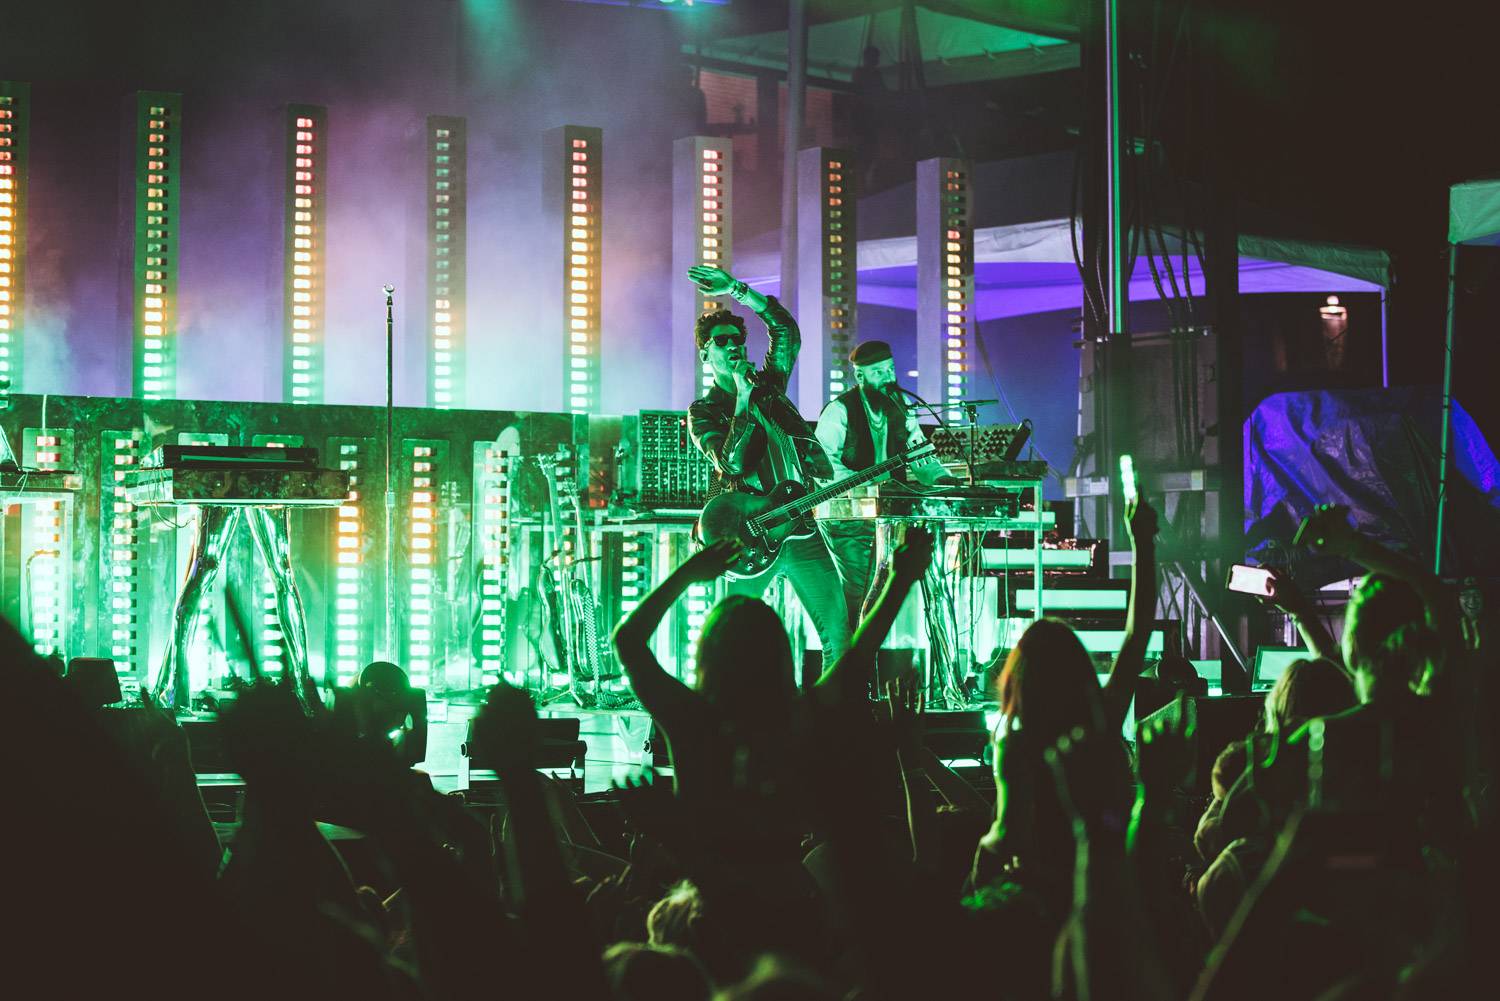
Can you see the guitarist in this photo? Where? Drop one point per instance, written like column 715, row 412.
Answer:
column 858, row 429
column 755, row 438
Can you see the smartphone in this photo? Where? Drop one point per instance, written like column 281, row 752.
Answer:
column 1251, row 580
column 1127, row 479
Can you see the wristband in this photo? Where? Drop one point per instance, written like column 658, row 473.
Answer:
column 738, row 291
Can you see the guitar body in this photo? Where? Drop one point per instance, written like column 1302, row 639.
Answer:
column 743, row 517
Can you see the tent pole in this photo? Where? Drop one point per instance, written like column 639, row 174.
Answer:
column 796, row 95
column 1446, row 436
column 1385, row 347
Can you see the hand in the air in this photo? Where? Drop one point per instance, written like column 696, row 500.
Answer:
column 1140, row 520
column 914, row 554
column 1285, row 594
column 505, row 731
column 1327, row 530
column 712, row 280
column 710, row 562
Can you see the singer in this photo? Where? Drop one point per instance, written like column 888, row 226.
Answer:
column 755, row 438
column 857, row 430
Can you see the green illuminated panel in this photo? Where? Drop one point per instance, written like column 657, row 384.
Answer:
column 157, row 138
column 15, row 121
column 47, row 553
column 304, row 352
column 1062, row 598
column 1106, row 641
column 447, row 257
column 355, row 616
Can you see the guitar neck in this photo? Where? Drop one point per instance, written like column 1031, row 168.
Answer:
column 812, row 500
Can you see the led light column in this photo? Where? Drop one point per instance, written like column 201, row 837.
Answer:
column 447, row 250
column 157, row 165
column 424, row 463
column 122, row 530
column 945, row 282
column 351, row 627
column 46, row 556
column 826, row 279
column 15, row 121
column 491, row 506
column 306, row 253
column 702, row 193
column 573, row 187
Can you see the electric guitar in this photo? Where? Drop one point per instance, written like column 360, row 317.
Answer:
column 761, row 523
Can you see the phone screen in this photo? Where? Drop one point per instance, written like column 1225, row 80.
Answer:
column 1250, row 580
column 1127, row 478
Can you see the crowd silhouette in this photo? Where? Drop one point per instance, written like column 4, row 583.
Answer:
column 808, row 843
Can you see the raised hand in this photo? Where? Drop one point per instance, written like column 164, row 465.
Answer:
column 1164, row 746
column 710, row 562
column 1285, row 594
column 914, row 553
column 1140, row 520
column 505, row 731
column 905, row 701
column 1327, row 530
column 712, row 280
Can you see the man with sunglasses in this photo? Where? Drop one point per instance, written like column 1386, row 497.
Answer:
column 755, row 438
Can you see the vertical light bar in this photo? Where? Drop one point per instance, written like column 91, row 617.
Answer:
column 945, row 281
column 491, row 504
column 702, row 195
column 447, row 255
column 826, row 264
column 15, row 122
column 424, row 462
column 157, row 140
column 120, row 536
column 351, row 643
column 46, row 556
column 573, row 186
column 304, row 295
column 271, row 650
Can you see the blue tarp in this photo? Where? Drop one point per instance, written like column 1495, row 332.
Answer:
column 1376, row 451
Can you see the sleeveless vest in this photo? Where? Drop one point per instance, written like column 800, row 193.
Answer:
column 859, row 443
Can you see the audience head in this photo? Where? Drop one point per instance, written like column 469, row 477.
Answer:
column 744, row 657
column 1048, row 686
column 1307, row 689
column 640, row 972
column 776, row 980
column 1378, row 608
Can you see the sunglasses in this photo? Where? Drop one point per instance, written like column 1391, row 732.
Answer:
column 723, row 340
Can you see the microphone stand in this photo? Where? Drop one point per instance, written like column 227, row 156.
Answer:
column 390, row 486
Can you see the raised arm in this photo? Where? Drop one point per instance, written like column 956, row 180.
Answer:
column 1328, row 530
column 1288, row 597
column 659, row 691
column 786, row 339
column 850, row 674
column 1140, row 524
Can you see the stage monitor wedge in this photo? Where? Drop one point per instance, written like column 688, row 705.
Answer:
column 702, row 201
column 827, row 274
column 572, row 191
column 155, row 184
column 945, row 282
column 306, row 263
column 15, row 127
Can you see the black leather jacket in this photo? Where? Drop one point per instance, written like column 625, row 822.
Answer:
column 737, row 445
